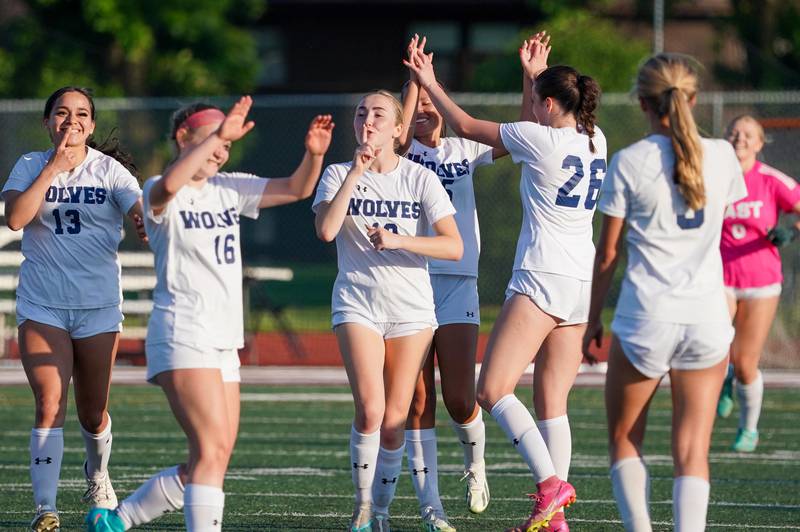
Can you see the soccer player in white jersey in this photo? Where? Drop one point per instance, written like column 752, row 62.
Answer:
column 671, row 189
column 563, row 156
column 192, row 218
column 455, row 294
column 378, row 209
column 70, row 201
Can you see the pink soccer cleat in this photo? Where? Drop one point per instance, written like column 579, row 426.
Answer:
column 558, row 523
column 553, row 495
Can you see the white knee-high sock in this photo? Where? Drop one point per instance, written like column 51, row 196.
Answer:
column 423, row 466
column 690, row 503
column 160, row 494
column 750, row 397
column 47, row 450
column 472, row 436
column 631, row 485
column 98, row 450
column 364, row 457
column 558, row 438
column 518, row 424
column 203, row 508
column 390, row 462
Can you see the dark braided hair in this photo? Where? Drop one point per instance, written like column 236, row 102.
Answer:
column 577, row 94
column 110, row 146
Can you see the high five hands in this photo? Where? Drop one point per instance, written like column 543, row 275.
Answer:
column 420, row 63
column 533, row 54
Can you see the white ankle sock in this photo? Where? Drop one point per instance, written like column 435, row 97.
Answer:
column 203, row 508
column 364, row 457
column 98, row 450
column 472, row 436
column 47, row 450
column 160, row 494
column 390, row 462
column 558, row 438
column 750, row 397
column 423, row 466
column 518, row 424
column 690, row 503
column 631, row 485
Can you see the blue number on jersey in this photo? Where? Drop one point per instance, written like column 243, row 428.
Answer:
column 228, row 255
column 74, row 220
column 596, row 167
column 694, row 222
column 447, row 181
column 389, row 227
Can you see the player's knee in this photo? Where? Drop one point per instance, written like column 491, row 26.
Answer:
column 392, row 436
column 368, row 417
column 215, row 453
column 487, row 398
column 422, row 404
column 91, row 420
column 745, row 373
column 460, row 408
column 50, row 410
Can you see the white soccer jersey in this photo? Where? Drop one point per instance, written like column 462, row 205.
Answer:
column 674, row 271
column 70, row 246
column 385, row 286
column 559, row 187
column 195, row 239
column 454, row 161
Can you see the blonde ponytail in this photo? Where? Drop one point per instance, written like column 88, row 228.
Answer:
column 668, row 82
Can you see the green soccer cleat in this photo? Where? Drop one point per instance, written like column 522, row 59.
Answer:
column 725, row 404
column 746, row 441
column 103, row 520
column 380, row 523
column 362, row 518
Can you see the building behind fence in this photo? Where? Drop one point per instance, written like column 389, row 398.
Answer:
column 285, row 235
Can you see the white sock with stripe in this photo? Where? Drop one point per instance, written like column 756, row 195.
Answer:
column 690, row 503
column 203, row 508
column 162, row 493
column 631, row 486
column 47, row 450
column 423, row 466
column 518, row 424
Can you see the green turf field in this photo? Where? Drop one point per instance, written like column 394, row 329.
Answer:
column 289, row 473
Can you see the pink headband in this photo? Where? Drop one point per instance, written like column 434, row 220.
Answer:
column 202, row 118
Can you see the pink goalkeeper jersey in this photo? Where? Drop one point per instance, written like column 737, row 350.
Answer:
column 749, row 260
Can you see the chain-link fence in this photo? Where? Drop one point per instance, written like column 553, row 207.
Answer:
column 285, row 236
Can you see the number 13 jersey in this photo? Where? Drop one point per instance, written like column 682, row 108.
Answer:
column 559, row 188
column 195, row 240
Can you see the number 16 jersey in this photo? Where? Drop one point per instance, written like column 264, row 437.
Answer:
column 195, row 239
column 559, row 188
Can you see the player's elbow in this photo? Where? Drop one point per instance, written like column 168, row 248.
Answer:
column 326, row 234
column 455, row 249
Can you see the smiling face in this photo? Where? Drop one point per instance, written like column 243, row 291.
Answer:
column 377, row 121
column 189, row 138
column 429, row 121
column 71, row 115
column 747, row 138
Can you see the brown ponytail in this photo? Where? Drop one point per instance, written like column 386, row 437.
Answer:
column 668, row 82
column 576, row 93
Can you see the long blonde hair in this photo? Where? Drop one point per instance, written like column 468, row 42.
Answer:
column 668, row 82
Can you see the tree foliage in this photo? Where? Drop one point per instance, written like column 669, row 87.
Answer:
column 579, row 39
column 119, row 47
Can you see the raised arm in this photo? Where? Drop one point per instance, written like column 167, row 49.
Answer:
column 331, row 214
column 533, row 56
column 459, row 120
column 234, row 127
column 605, row 263
column 411, row 99
column 301, row 183
column 446, row 245
column 21, row 207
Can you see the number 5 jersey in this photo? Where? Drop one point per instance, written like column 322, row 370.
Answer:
column 70, row 246
column 195, row 240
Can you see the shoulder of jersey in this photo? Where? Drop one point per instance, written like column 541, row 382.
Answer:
column 35, row 155
column 776, row 174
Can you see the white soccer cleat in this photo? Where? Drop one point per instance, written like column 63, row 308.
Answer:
column 477, row 494
column 45, row 520
column 434, row 520
column 99, row 492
